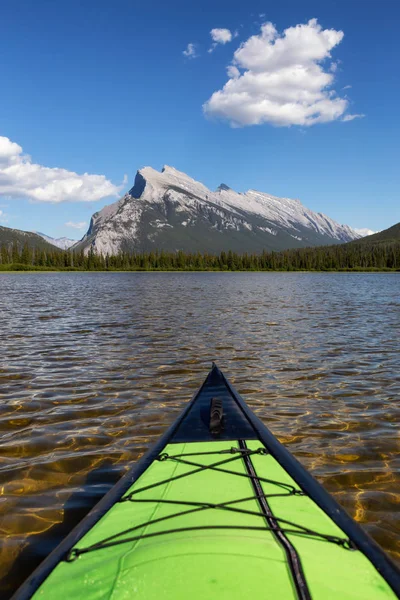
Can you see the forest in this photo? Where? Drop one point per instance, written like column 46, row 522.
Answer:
column 379, row 255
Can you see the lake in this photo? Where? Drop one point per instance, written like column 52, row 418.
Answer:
column 95, row 366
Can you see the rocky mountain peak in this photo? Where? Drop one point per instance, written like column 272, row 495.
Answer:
column 170, row 210
column 138, row 187
column 223, row 188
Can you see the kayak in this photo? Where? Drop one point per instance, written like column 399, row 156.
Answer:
column 217, row 509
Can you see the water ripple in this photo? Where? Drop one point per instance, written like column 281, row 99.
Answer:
column 94, row 366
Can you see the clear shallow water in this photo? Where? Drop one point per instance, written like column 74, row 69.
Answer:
column 95, row 366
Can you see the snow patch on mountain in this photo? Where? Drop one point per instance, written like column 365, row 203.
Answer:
column 364, row 231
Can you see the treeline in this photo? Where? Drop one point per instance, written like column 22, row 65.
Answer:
column 381, row 256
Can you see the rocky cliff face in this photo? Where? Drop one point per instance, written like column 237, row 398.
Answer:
column 172, row 211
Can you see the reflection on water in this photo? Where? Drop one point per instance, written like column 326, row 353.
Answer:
column 93, row 367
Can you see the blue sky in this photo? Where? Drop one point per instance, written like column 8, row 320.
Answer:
column 104, row 88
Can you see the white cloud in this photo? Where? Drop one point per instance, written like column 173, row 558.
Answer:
column 190, row 51
column 363, row 231
column 221, row 36
column 21, row 178
column 233, row 72
column 3, row 217
column 347, row 87
column 79, row 225
column 352, row 117
column 284, row 82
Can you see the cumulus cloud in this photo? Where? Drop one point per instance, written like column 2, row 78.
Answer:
column 352, row 117
column 21, row 178
column 190, row 51
column 220, row 36
column 233, row 72
column 283, row 80
column 79, row 225
column 3, row 217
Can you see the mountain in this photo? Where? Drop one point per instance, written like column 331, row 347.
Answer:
column 380, row 251
column 364, row 231
column 63, row 242
column 392, row 234
column 171, row 211
column 8, row 236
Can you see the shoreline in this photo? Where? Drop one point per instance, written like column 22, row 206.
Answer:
column 67, row 270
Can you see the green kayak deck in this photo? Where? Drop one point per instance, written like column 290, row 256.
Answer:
column 216, row 519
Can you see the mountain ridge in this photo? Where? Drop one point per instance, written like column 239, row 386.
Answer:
column 9, row 236
column 169, row 210
column 63, row 242
column 391, row 234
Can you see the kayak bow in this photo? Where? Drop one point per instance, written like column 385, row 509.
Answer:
column 217, row 509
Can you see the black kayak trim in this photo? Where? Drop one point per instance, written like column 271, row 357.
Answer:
column 292, row 556
column 239, row 423
column 359, row 538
